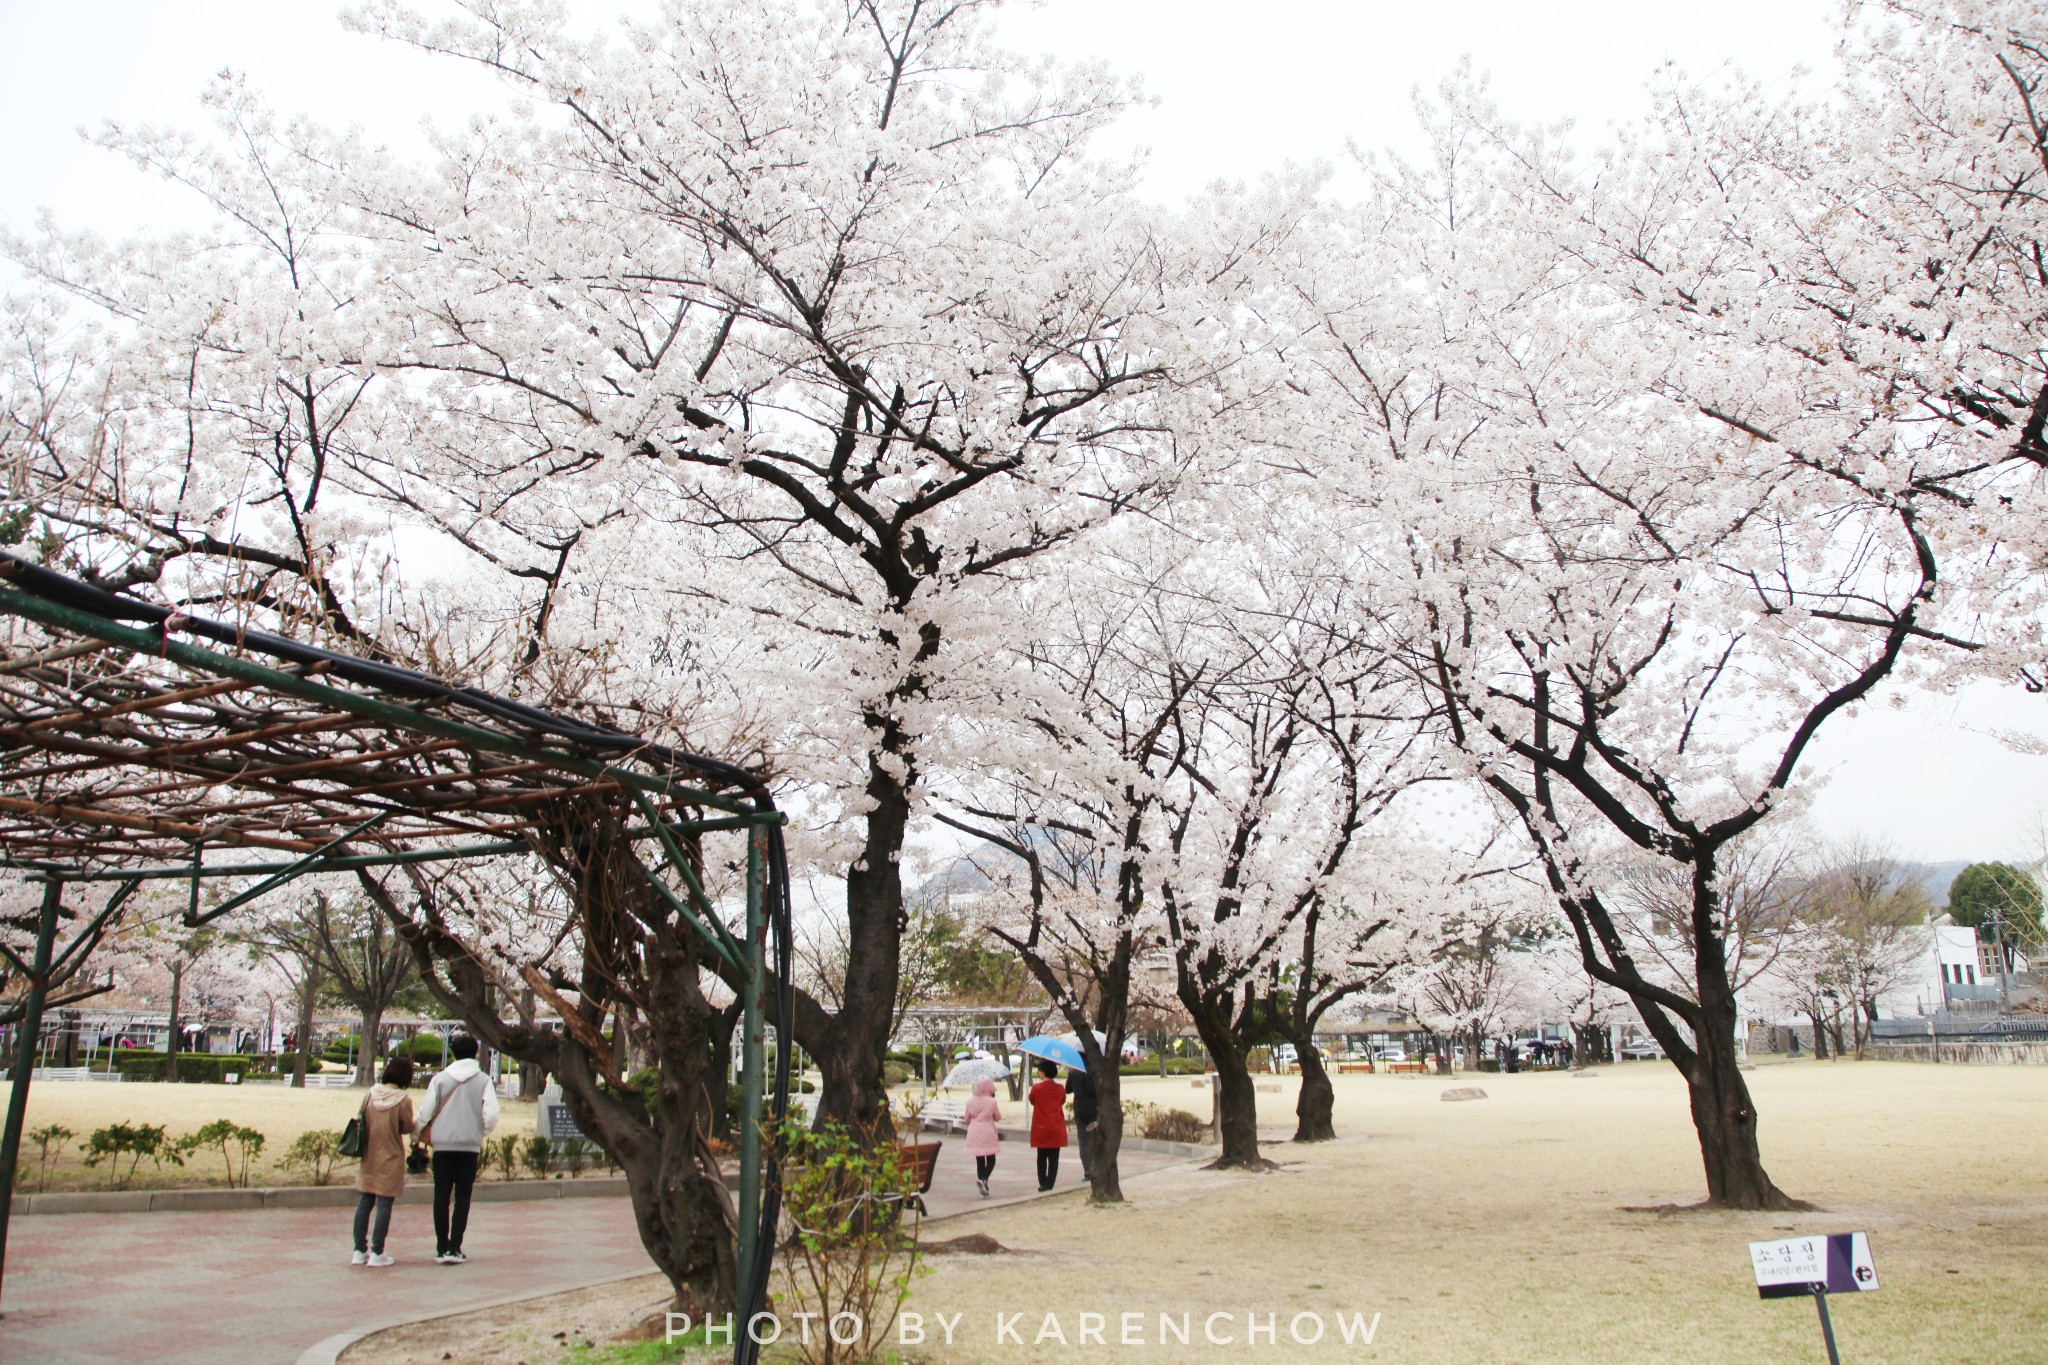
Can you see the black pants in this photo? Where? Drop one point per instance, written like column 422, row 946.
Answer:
column 1084, row 1136
column 984, row 1167
column 454, row 1173
column 1048, row 1166
column 368, row 1238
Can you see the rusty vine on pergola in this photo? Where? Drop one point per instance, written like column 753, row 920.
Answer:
column 140, row 743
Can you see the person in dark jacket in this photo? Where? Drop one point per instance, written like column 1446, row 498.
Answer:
column 1048, row 1124
column 1081, row 1090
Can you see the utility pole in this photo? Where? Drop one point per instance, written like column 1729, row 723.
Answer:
column 1998, row 942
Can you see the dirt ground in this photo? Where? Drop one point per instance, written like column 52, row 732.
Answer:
column 278, row 1112
column 1494, row 1230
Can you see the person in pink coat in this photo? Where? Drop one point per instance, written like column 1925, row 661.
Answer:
column 982, row 1115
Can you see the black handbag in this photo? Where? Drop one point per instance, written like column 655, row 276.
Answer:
column 416, row 1159
column 352, row 1136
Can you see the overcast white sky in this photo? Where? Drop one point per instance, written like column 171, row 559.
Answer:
column 1243, row 87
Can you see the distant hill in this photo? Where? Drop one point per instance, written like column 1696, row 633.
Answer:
column 1934, row 878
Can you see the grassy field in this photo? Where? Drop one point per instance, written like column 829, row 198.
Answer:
column 1496, row 1231
column 277, row 1112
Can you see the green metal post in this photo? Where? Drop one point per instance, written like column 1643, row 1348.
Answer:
column 753, row 1054
column 24, row 1058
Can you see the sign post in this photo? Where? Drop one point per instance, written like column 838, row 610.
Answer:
column 1838, row 1263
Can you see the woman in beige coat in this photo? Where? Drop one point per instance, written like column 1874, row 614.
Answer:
column 387, row 1118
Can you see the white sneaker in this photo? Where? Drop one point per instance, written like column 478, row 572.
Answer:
column 984, row 1188
column 378, row 1258
column 359, row 1258
column 451, row 1258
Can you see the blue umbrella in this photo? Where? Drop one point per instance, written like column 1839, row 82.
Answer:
column 1054, row 1050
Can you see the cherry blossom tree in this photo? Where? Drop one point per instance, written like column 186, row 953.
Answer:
column 1067, row 801
column 1641, row 604
column 823, row 300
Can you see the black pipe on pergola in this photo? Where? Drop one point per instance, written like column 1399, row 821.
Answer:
column 142, row 743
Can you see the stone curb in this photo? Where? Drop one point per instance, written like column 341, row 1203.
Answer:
column 1129, row 1144
column 416, row 1191
column 304, row 1197
column 328, row 1352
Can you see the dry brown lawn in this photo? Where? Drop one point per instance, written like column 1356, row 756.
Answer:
column 1496, row 1231
column 278, row 1112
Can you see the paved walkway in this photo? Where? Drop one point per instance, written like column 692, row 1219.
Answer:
column 259, row 1288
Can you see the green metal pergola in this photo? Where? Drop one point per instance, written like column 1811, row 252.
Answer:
column 139, row 743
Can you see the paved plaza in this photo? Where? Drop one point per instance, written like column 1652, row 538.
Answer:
column 263, row 1288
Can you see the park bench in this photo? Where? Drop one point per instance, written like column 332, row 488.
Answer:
column 337, row 1080
column 926, row 1157
column 59, row 1073
column 1354, row 1066
column 923, row 1159
column 1418, row 1067
column 947, row 1116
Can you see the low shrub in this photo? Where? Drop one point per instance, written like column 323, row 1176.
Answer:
column 539, row 1155
column 237, row 1147
column 130, row 1142
column 852, row 1254
column 503, row 1153
column 1163, row 1125
column 49, row 1140
column 316, row 1151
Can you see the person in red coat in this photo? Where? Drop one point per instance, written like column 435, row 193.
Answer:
column 1048, row 1124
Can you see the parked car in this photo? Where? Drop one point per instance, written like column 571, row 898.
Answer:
column 1390, row 1054
column 1642, row 1050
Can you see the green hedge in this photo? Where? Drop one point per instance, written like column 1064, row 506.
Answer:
column 196, row 1067
column 425, row 1049
column 1175, row 1066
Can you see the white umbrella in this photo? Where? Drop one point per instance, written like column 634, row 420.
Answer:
column 1074, row 1040
column 972, row 1070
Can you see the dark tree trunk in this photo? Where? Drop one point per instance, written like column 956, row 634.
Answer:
column 177, row 1020
column 717, row 1079
column 532, row 1080
column 366, row 1052
column 1726, row 1120
column 1722, row 1112
column 309, row 989
column 850, row 1058
column 681, row 1206
column 1105, row 1137
column 1820, row 1036
column 1237, row 1099
column 1105, row 1182
column 1315, row 1108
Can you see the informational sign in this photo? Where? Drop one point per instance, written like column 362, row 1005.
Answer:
column 553, row 1120
column 1838, row 1263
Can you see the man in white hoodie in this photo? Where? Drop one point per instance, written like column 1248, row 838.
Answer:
column 461, row 1110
